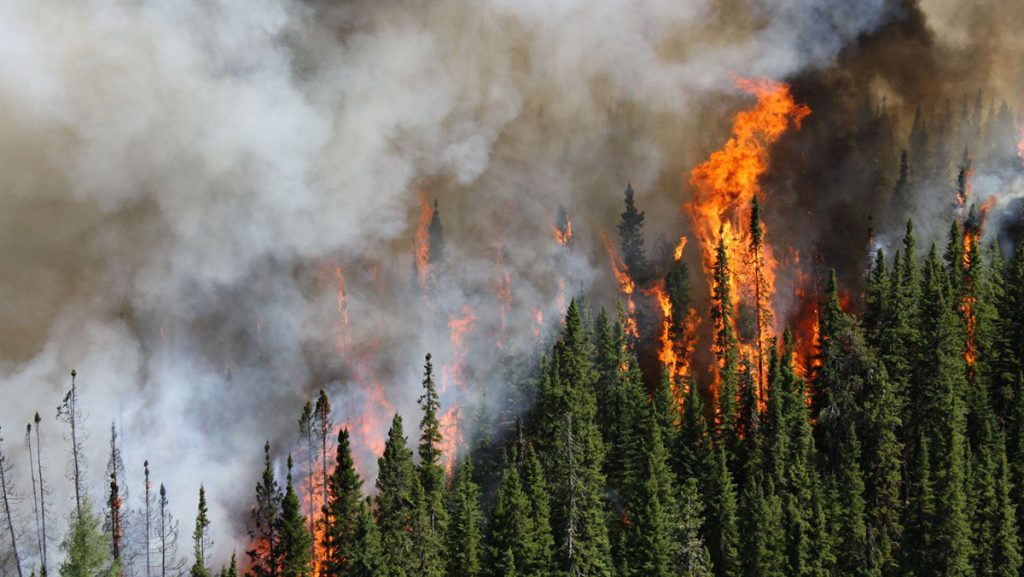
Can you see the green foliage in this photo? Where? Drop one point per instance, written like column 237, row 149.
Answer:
column 86, row 547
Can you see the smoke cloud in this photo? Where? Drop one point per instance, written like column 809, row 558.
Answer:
column 182, row 183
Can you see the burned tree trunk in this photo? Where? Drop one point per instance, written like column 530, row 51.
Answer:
column 6, row 495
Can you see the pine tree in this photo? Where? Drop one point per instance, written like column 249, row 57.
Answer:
column 463, row 539
column 720, row 525
column 232, row 569
column 762, row 308
column 86, row 547
column 293, row 536
column 726, row 349
column 631, row 235
column 649, row 503
column 576, row 454
column 852, row 554
column 265, row 552
column 69, row 412
column 540, row 541
column 940, row 417
column 367, row 554
column 694, row 443
column 511, row 521
column 431, row 474
column 691, row 554
column 397, row 508
column 201, row 538
column 342, row 512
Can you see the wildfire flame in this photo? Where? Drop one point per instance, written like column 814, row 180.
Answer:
column 724, row 189
column 339, row 278
column 453, row 384
column 421, row 243
column 626, row 285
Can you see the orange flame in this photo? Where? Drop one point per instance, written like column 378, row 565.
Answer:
column 564, row 235
column 421, row 243
column 626, row 284
column 453, row 384
column 678, row 253
column 339, row 277
column 724, row 188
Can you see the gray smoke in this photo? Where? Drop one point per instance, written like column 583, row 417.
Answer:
column 180, row 179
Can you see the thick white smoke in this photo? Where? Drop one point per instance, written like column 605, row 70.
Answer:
column 178, row 180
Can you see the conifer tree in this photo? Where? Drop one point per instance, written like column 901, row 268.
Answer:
column 367, row 555
column 721, row 528
column 397, row 507
column 438, row 250
column 693, row 445
column 540, row 540
column 762, row 308
column 265, row 552
column 691, row 554
column 576, row 455
column 231, row 570
column 939, row 416
column 852, row 554
column 649, row 503
column 323, row 427
column 201, row 541
column 631, row 235
column 510, row 526
column 342, row 512
column 463, row 539
column 726, row 352
column 86, row 547
column 294, row 537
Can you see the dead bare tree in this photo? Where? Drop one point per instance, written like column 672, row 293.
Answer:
column 35, row 488
column 42, row 494
column 7, row 494
column 68, row 412
column 170, row 563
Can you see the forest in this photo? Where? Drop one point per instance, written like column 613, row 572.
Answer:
column 876, row 431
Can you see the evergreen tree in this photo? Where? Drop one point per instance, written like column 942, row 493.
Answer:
column 431, row 478
column 511, row 526
column 721, row 527
column 691, row 554
column 463, row 540
column 397, row 508
column 852, row 553
column 86, row 547
column 231, row 570
column 367, row 554
column 726, row 349
column 575, row 452
column 342, row 512
column 649, row 503
column 631, row 235
column 540, row 540
column 264, row 554
column 201, row 538
column 294, row 537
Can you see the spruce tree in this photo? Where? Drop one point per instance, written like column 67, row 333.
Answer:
column 464, row 539
column 691, row 555
column 86, row 547
column 540, row 540
column 397, row 507
column 367, row 554
column 294, row 540
column 342, row 512
column 264, row 554
column 201, row 541
column 726, row 349
column 509, row 545
column 631, row 235
column 431, row 478
column 721, row 528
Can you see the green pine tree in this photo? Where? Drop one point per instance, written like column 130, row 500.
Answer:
column 264, row 554
column 201, row 538
column 342, row 512
column 464, row 539
column 295, row 540
column 86, row 546
column 431, row 479
column 397, row 507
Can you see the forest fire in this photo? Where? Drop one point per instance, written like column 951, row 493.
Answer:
column 626, row 285
column 343, row 319
column 723, row 209
column 421, row 242
column 453, row 384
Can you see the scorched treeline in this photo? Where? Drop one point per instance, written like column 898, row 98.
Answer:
column 891, row 442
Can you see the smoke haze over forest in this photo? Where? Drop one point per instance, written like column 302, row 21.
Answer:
column 210, row 209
